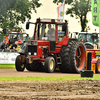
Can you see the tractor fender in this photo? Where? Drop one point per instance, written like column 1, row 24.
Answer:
column 66, row 41
column 94, row 61
column 70, row 40
column 89, row 45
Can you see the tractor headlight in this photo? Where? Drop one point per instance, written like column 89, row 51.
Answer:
column 35, row 53
column 29, row 53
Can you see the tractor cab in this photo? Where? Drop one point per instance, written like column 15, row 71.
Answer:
column 48, row 30
column 48, row 33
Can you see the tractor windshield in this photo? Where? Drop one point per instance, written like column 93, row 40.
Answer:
column 92, row 38
column 45, row 31
column 16, row 36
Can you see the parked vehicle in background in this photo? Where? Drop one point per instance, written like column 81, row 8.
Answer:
column 90, row 39
column 14, row 36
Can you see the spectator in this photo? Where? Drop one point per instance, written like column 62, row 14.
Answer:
column 6, row 38
column 4, row 45
column 15, row 46
column 18, row 48
column 10, row 46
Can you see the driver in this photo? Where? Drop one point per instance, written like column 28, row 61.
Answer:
column 51, row 31
column 82, row 40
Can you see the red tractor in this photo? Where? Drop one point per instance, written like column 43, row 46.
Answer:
column 52, row 48
column 13, row 36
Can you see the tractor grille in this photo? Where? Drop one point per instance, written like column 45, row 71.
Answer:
column 32, row 50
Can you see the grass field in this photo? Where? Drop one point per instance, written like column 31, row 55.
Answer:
column 7, row 66
column 12, row 66
column 47, row 78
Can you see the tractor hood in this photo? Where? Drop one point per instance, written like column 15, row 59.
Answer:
column 50, row 45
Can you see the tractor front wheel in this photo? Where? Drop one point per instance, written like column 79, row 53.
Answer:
column 49, row 64
column 18, row 64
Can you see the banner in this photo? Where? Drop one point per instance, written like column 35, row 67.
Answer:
column 60, row 11
column 8, row 57
column 95, row 12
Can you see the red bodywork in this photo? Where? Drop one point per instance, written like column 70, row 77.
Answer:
column 47, row 43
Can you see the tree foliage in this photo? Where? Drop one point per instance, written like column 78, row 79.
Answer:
column 13, row 12
column 79, row 9
column 60, row 1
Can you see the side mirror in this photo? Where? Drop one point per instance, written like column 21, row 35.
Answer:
column 76, row 33
column 5, row 30
column 27, row 25
column 64, row 27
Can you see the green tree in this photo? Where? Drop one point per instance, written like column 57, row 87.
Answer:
column 60, row 1
column 16, row 11
column 79, row 10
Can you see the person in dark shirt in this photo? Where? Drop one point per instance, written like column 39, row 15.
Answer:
column 4, row 45
column 14, row 46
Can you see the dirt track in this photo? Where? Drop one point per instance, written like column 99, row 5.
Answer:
column 61, row 90
column 48, row 90
column 13, row 72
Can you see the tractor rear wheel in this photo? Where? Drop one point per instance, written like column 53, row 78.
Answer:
column 18, row 64
column 98, row 66
column 49, row 64
column 73, row 57
column 78, row 57
column 65, row 57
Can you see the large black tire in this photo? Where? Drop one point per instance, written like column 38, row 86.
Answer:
column 78, row 57
column 68, row 57
column 98, row 66
column 49, row 64
column 18, row 64
column 65, row 57
column 37, row 66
